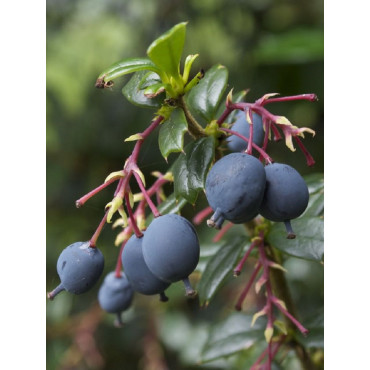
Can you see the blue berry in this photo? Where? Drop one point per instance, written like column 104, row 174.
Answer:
column 286, row 195
column 141, row 278
column 171, row 249
column 79, row 267
column 234, row 188
column 115, row 295
column 241, row 126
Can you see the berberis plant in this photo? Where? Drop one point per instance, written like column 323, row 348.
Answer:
column 243, row 187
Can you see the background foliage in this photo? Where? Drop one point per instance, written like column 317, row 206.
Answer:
column 267, row 46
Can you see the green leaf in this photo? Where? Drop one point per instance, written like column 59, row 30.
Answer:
column 204, row 98
column 166, row 50
column 135, row 95
column 232, row 335
column 190, row 169
column 309, row 242
column 171, row 134
column 126, row 66
column 170, row 205
column 219, row 266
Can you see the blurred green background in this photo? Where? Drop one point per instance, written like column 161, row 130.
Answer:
column 267, row 46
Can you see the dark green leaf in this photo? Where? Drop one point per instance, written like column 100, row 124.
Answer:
column 190, row 169
column 135, row 95
column 204, row 98
column 166, row 50
column 171, row 134
column 232, row 335
column 127, row 66
column 219, row 266
column 170, row 205
column 309, row 242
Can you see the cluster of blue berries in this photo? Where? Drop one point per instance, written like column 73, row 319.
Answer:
column 167, row 252
column 239, row 187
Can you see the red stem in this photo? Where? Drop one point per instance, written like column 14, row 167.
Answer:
column 309, row 97
column 240, row 265
column 238, row 305
column 95, row 237
column 146, row 196
column 265, row 156
column 222, row 232
column 250, row 142
column 300, row 327
column 224, row 115
column 80, row 202
column 202, row 215
column 137, row 232
column 309, row 158
column 119, row 260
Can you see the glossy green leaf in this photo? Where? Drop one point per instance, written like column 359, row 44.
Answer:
column 166, row 50
column 127, row 66
column 191, row 167
column 170, row 205
column 309, row 241
column 171, row 134
column 232, row 335
column 135, row 95
column 219, row 266
column 204, row 98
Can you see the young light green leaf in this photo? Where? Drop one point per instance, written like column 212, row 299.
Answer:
column 204, row 98
column 232, row 335
column 134, row 137
column 309, row 243
column 134, row 93
column 114, row 175
column 281, row 326
column 190, row 168
column 124, row 67
column 166, row 50
column 218, row 267
column 269, row 332
column 171, row 134
column 113, row 206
